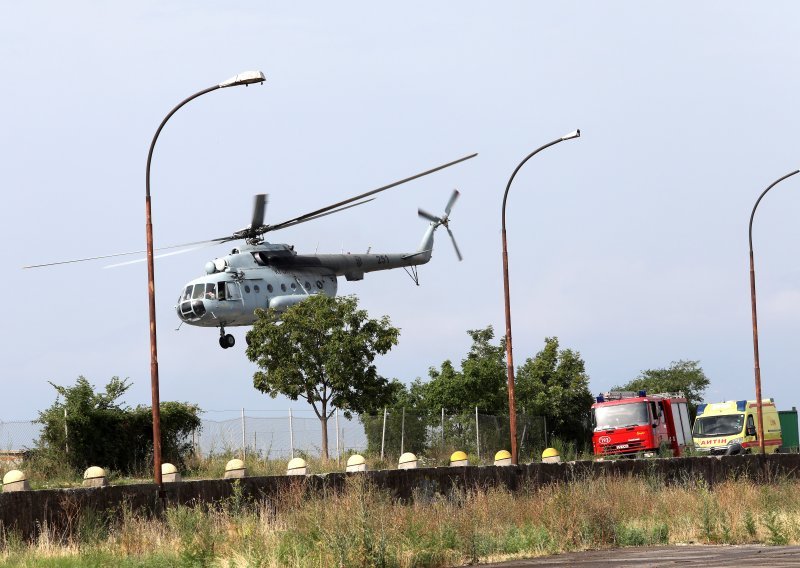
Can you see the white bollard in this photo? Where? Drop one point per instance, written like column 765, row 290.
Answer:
column 15, row 480
column 297, row 466
column 235, row 469
column 94, row 477
column 169, row 473
column 407, row 461
column 356, row 462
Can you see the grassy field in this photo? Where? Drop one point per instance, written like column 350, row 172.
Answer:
column 364, row 527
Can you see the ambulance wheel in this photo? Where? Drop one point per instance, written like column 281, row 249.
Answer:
column 226, row 341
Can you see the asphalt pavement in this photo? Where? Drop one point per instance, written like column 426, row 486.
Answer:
column 662, row 556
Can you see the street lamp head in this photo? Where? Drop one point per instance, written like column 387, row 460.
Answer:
column 575, row 134
column 244, row 78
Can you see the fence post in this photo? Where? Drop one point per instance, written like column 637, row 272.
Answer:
column 477, row 434
column 66, row 433
column 383, row 435
column 255, row 444
column 291, row 434
column 545, row 431
column 244, row 439
column 403, row 432
column 442, row 428
column 338, row 451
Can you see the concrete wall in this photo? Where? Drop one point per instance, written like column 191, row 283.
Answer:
column 30, row 511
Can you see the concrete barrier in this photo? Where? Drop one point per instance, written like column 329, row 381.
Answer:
column 27, row 511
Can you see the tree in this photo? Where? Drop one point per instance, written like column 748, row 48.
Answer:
column 681, row 376
column 83, row 428
column 481, row 381
column 322, row 350
column 554, row 384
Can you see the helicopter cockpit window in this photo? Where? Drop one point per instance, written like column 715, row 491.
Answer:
column 199, row 289
column 211, row 291
column 187, row 294
column 221, row 291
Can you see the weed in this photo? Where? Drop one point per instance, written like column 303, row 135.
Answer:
column 750, row 524
column 775, row 528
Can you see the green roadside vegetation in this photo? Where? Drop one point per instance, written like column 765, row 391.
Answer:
column 364, row 527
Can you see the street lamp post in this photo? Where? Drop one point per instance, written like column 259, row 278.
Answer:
column 512, row 406
column 757, row 368
column 244, row 78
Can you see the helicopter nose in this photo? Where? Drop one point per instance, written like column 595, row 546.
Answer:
column 191, row 310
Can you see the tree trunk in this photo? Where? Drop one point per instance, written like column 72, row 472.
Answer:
column 324, row 421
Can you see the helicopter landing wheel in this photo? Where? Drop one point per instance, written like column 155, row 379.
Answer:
column 226, row 340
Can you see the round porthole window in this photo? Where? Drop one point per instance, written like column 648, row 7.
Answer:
column 294, row 286
column 283, row 287
column 308, row 285
column 256, row 289
column 319, row 284
column 247, row 289
column 269, row 288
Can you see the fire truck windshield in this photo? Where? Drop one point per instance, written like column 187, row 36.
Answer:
column 620, row 415
column 726, row 425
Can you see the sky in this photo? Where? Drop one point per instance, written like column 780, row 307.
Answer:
column 629, row 244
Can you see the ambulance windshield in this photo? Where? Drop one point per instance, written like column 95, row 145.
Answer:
column 620, row 415
column 724, row 425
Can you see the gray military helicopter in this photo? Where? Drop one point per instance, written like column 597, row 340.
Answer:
column 259, row 274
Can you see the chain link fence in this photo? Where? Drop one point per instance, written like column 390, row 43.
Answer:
column 287, row 434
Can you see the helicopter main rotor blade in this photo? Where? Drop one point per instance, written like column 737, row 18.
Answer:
column 259, row 207
column 425, row 215
column 455, row 246
column 451, row 202
column 173, row 253
column 374, row 191
column 116, row 254
column 293, row 223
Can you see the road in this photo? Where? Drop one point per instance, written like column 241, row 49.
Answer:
column 663, row 556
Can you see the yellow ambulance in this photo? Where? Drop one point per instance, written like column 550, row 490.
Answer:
column 731, row 427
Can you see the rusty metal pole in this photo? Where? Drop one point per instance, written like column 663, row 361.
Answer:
column 241, row 79
column 512, row 405
column 757, row 367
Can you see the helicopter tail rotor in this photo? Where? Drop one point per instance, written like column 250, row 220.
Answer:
column 444, row 220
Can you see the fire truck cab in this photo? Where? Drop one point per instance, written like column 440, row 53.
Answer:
column 629, row 423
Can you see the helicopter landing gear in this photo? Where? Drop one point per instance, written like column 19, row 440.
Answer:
column 226, row 339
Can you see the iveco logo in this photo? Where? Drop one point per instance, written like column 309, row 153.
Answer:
column 604, row 439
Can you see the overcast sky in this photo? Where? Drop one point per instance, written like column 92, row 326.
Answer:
column 629, row 244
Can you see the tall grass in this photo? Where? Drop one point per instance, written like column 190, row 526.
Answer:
column 364, row 527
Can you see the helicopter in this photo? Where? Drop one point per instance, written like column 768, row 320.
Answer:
column 259, row 274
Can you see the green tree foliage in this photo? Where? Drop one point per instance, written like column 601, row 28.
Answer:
column 84, row 428
column 681, row 376
column 481, row 381
column 554, row 384
column 322, row 350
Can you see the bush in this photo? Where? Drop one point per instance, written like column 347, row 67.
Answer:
column 84, row 428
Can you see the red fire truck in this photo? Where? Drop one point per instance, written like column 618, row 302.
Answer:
column 630, row 423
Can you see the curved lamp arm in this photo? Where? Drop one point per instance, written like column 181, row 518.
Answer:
column 512, row 406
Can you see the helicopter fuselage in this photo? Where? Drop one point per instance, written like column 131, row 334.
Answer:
column 266, row 275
